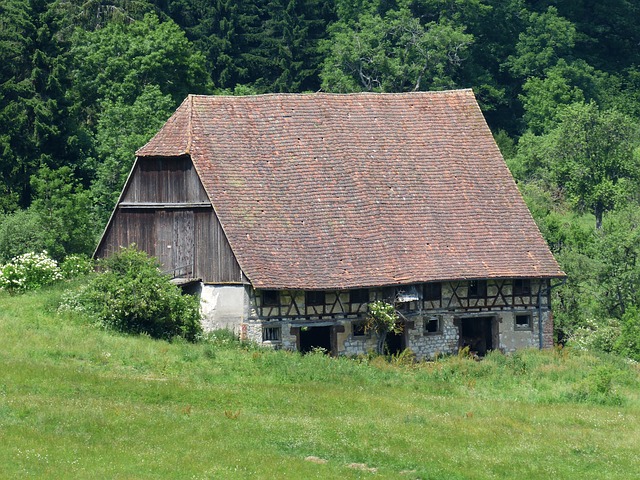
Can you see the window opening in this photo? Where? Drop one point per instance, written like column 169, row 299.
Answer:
column 432, row 325
column 522, row 287
column 523, row 322
column 358, row 329
column 271, row 334
column 314, row 298
column 477, row 289
column 270, row 298
column 359, row 295
column 432, row 291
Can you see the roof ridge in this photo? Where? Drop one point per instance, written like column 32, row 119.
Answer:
column 190, row 126
column 454, row 91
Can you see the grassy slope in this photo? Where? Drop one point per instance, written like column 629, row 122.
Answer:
column 78, row 402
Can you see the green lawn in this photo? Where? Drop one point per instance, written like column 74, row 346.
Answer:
column 80, row 402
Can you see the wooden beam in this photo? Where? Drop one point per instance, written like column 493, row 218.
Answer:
column 156, row 205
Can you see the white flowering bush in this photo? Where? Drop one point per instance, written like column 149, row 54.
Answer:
column 596, row 335
column 74, row 266
column 29, row 271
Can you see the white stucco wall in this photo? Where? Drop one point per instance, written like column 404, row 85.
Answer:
column 223, row 306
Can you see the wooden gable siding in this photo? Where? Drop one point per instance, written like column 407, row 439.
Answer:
column 165, row 180
column 187, row 242
column 166, row 213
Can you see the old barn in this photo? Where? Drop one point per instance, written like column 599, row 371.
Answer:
column 288, row 213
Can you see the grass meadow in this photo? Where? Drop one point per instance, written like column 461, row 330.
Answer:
column 77, row 401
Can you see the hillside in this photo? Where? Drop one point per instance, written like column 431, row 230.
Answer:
column 80, row 402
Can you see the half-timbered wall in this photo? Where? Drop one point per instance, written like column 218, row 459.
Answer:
column 511, row 310
column 165, row 211
column 498, row 294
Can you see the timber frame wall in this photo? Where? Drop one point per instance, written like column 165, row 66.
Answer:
column 454, row 296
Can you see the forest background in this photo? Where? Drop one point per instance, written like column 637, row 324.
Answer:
column 84, row 83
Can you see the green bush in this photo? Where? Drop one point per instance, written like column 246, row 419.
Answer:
column 74, row 266
column 132, row 295
column 29, row 271
column 21, row 232
column 628, row 342
column 382, row 318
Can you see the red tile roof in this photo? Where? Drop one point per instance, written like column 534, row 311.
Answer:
column 322, row 191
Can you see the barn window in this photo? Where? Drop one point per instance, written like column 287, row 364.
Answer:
column 358, row 329
column 314, row 298
column 270, row 298
column 432, row 291
column 359, row 295
column 477, row 289
column 432, row 326
column 522, row 287
column 523, row 322
column 271, row 334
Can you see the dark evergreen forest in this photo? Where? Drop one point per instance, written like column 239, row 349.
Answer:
column 84, row 83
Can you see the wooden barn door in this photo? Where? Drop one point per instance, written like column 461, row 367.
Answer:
column 175, row 242
column 183, row 251
column 164, row 240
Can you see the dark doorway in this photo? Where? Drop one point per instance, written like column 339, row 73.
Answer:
column 315, row 337
column 394, row 343
column 477, row 334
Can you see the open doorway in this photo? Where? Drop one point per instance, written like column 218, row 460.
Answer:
column 315, row 337
column 479, row 334
column 394, row 343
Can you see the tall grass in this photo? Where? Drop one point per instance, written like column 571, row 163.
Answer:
column 80, row 402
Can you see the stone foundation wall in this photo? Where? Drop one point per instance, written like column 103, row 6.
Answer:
column 233, row 307
column 425, row 345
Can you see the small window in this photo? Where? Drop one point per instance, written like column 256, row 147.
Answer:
column 522, row 287
column 432, row 291
column 271, row 334
column 523, row 322
column 270, row 298
column 388, row 294
column 358, row 329
column 360, row 295
column 432, row 325
column 477, row 289
column 313, row 298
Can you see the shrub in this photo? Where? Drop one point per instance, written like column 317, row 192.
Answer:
column 21, row 232
column 628, row 342
column 597, row 388
column 132, row 295
column 382, row 318
column 74, row 266
column 594, row 335
column 29, row 271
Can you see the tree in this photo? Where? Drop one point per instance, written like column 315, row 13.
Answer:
column 594, row 158
column 65, row 212
column 119, row 61
column 618, row 249
column 121, row 130
column 38, row 125
column 548, row 38
column 21, row 232
column 545, row 97
column 382, row 318
column 393, row 53
column 212, row 26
